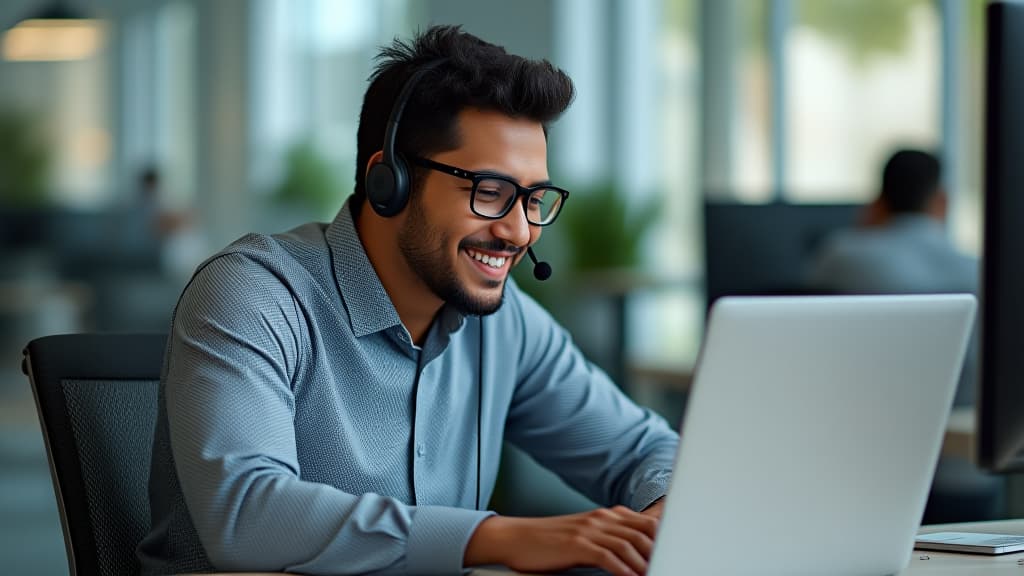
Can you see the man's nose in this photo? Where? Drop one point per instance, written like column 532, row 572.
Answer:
column 513, row 227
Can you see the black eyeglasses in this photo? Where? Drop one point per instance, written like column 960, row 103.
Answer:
column 493, row 195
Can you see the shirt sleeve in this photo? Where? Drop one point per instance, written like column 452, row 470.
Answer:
column 236, row 346
column 568, row 415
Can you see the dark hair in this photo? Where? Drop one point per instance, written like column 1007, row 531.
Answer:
column 472, row 74
column 910, row 179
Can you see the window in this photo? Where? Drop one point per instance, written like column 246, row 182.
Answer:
column 863, row 79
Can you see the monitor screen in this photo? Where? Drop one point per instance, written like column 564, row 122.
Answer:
column 765, row 249
column 1001, row 394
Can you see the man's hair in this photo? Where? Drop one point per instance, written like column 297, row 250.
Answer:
column 910, row 179
column 472, row 74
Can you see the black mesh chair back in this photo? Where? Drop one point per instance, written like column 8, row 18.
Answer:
column 97, row 401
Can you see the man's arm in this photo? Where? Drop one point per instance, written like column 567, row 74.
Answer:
column 572, row 419
column 568, row 415
column 237, row 343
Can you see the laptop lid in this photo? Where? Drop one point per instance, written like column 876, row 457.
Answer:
column 811, row 434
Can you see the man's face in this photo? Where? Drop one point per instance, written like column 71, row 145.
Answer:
column 465, row 259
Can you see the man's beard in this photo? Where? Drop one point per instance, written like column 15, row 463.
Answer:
column 424, row 249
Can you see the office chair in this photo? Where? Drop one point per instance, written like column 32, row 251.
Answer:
column 97, row 400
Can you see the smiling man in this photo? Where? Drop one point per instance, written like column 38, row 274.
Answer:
column 335, row 398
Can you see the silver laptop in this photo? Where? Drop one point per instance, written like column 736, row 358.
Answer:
column 811, row 435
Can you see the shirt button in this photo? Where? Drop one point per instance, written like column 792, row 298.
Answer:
column 421, row 450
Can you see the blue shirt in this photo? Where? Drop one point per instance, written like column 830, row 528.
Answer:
column 301, row 430
column 910, row 254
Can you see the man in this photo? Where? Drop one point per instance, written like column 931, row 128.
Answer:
column 903, row 247
column 334, row 398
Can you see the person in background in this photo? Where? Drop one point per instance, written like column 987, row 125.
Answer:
column 334, row 398
column 903, row 247
column 180, row 243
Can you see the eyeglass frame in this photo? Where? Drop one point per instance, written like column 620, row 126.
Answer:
column 477, row 177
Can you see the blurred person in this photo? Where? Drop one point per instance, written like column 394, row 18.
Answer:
column 180, row 243
column 161, row 221
column 902, row 246
column 334, row 398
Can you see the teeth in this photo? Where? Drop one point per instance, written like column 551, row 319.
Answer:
column 492, row 261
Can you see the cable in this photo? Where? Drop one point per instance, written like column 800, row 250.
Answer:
column 479, row 409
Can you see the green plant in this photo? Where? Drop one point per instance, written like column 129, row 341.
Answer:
column 309, row 182
column 24, row 161
column 602, row 231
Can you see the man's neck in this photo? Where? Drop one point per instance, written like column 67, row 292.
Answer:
column 416, row 304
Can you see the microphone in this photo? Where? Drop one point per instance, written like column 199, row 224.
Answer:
column 541, row 270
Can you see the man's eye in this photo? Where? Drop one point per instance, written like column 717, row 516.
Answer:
column 487, row 193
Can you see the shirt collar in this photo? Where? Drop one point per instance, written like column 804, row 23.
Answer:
column 369, row 306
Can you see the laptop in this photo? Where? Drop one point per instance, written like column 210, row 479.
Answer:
column 811, row 435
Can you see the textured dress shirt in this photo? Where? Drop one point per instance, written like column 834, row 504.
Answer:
column 301, row 430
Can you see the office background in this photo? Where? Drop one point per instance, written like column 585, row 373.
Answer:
column 171, row 127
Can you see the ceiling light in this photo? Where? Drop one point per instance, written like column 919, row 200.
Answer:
column 56, row 34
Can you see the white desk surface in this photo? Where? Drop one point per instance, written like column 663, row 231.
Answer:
column 969, row 564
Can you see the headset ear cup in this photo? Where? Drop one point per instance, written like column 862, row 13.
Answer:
column 400, row 172
column 380, row 189
column 387, row 187
column 387, row 182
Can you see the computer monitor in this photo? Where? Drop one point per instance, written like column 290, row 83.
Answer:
column 1001, row 393
column 765, row 249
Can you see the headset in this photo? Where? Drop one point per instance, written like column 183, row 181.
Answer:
column 387, row 182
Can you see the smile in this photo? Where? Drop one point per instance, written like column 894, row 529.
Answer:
column 495, row 262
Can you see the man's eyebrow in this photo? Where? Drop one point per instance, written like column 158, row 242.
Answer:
column 491, row 172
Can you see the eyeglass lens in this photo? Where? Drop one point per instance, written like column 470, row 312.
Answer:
column 494, row 197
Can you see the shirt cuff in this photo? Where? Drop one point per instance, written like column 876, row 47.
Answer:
column 649, row 491
column 438, row 538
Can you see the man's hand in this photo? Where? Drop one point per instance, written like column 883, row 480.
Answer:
column 617, row 539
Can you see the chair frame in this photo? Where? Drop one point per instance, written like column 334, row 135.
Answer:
column 47, row 362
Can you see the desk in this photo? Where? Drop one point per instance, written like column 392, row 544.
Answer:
column 968, row 564
column 960, row 439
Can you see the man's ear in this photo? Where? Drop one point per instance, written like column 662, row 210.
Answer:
column 376, row 158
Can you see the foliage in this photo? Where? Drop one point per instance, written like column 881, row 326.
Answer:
column 309, row 182
column 602, row 231
column 866, row 28
column 24, row 161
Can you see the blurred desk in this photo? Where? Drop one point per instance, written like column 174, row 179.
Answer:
column 30, row 308
column 928, row 562
column 960, row 439
column 615, row 286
